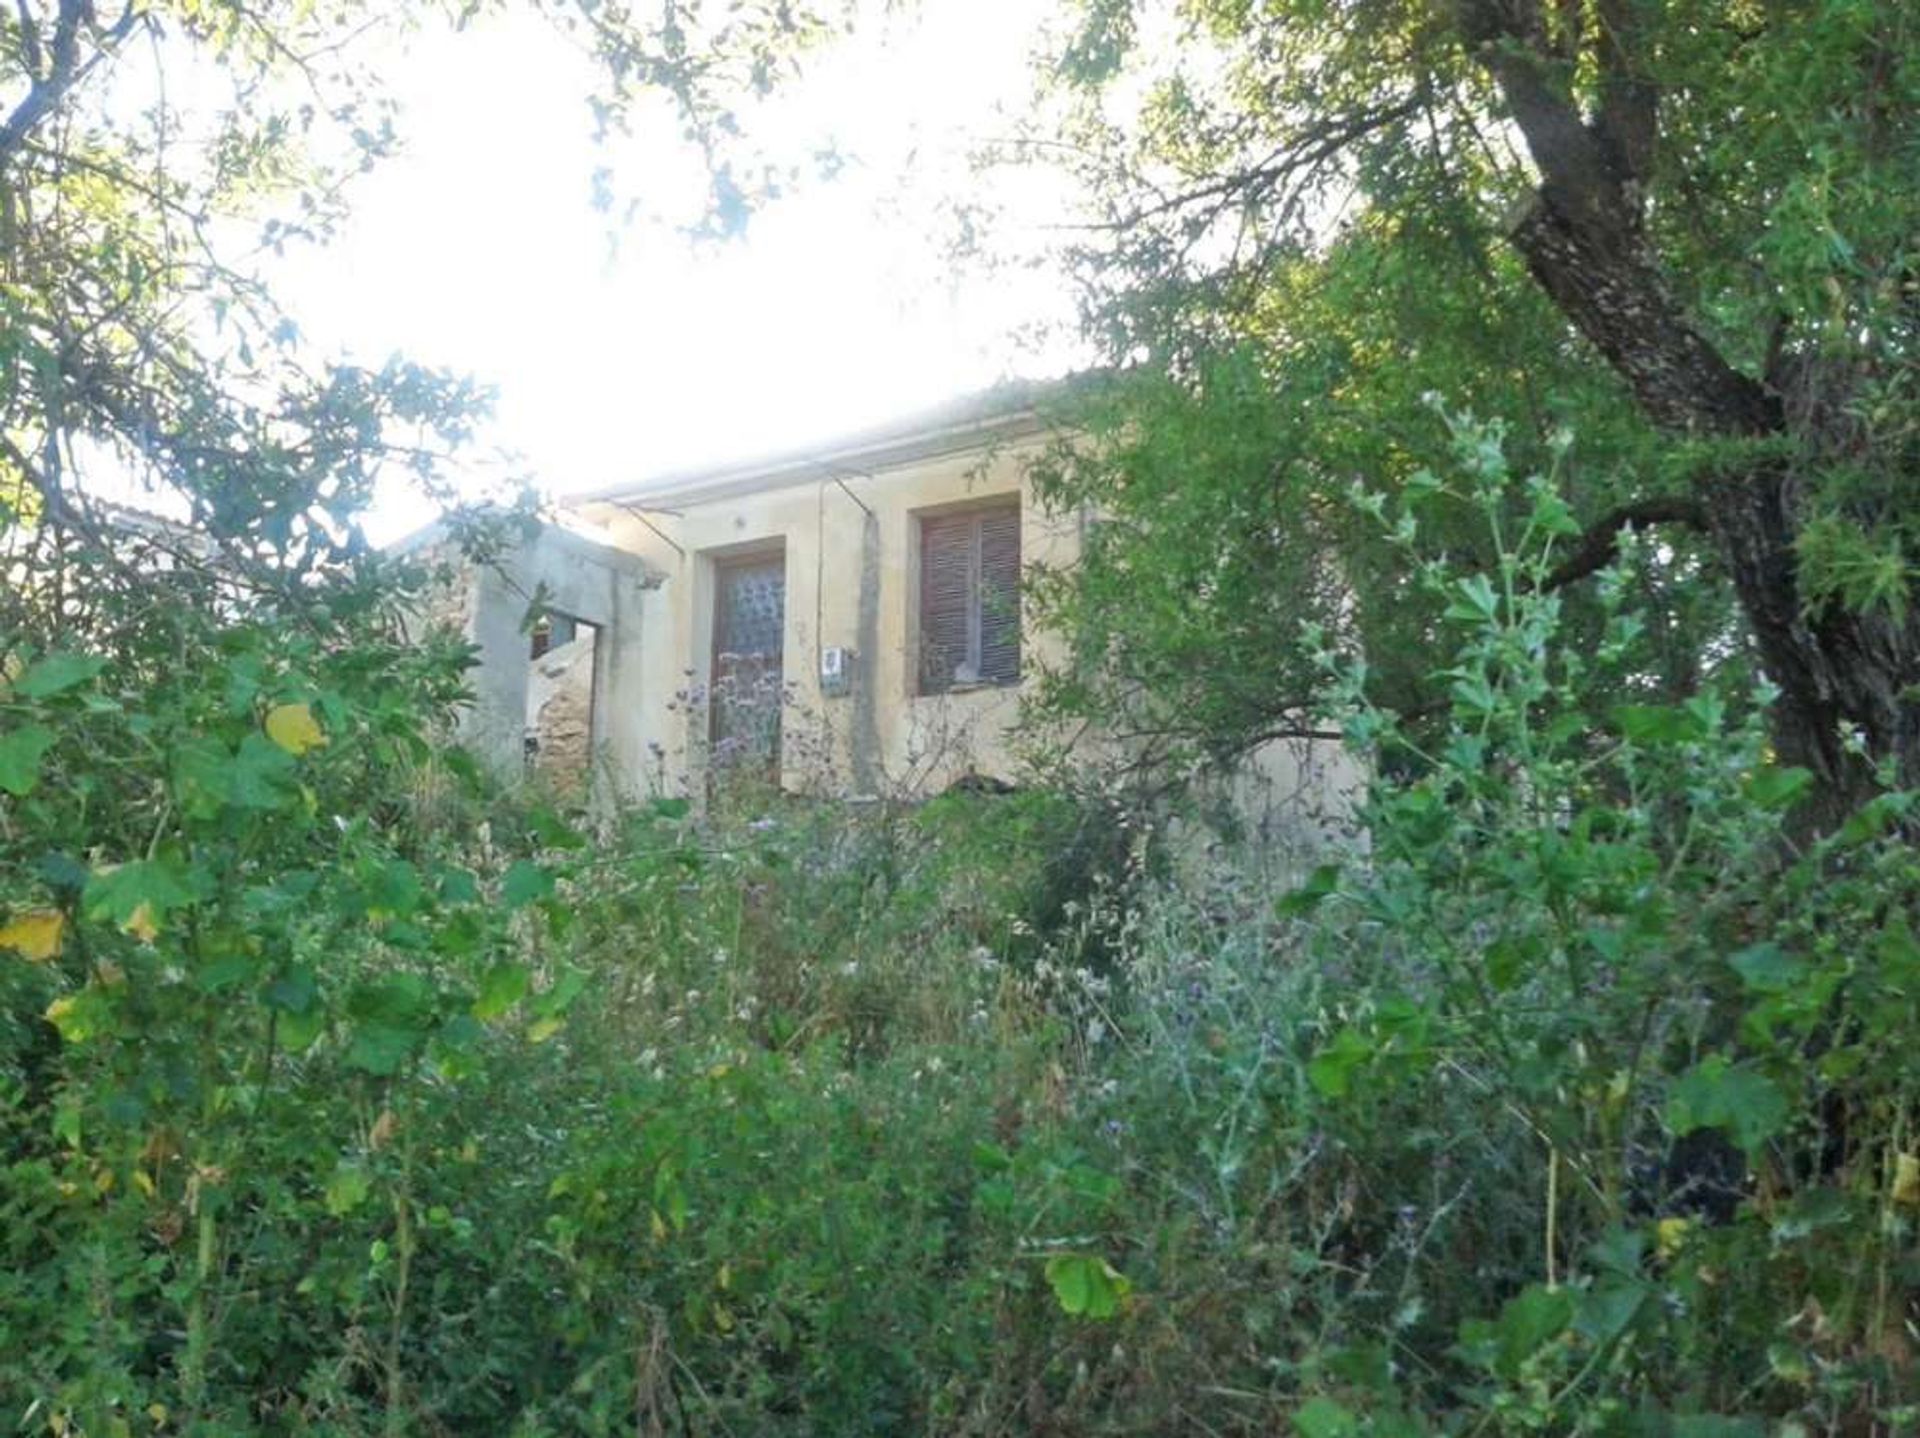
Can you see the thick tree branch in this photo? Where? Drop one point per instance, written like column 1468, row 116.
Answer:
column 1601, row 542
column 64, row 67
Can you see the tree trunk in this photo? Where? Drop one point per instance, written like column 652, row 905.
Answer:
column 1849, row 682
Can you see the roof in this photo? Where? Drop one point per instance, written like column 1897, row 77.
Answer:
column 1006, row 412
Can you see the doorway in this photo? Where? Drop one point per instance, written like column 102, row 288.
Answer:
column 748, row 689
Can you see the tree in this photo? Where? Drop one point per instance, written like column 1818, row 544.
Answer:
column 1686, row 228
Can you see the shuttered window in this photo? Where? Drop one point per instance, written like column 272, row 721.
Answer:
column 970, row 598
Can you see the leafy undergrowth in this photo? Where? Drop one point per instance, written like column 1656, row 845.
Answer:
column 342, row 1093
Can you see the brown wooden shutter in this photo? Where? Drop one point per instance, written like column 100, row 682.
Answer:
column 946, row 591
column 970, row 598
column 1000, row 594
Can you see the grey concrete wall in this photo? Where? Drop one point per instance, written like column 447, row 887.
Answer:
column 573, row 575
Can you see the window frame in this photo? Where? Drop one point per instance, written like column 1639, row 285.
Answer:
column 975, row 512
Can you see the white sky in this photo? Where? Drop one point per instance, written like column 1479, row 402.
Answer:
column 479, row 249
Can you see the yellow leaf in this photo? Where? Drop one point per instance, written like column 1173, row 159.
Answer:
column 141, row 925
column 35, row 935
column 1906, row 1178
column 1670, row 1235
column 659, row 1227
column 293, row 728
column 543, row 1029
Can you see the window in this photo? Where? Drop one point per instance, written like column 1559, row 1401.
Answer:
column 970, row 598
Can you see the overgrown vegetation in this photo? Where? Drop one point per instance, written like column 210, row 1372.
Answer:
column 344, row 1090
column 348, row 1093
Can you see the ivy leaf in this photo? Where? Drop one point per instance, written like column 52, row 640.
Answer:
column 20, row 754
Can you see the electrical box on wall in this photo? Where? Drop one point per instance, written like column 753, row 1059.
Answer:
column 836, row 670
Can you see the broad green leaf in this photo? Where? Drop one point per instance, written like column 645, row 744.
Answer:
column 81, row 1015
column 380, row 1048
column 1323, row 1418
column 1528, row 1322
column 262, row 776
column 1331, row 1070
column 21, row 751
column 141, row 891
column 1320, row 883
column 1720, row 1094
column 55, row 673
column 524, row 883
column 202, row 770
column 1659, row 724
column 504, row 986
column 1767, row 969
column 1087, row 1286
column 294, row 992
column 347, row 1189
column 1778, row 788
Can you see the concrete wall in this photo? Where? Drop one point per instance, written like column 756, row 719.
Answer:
column 851, row 542
column 601, row 584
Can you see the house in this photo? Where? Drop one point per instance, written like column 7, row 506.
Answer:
column 842, row 619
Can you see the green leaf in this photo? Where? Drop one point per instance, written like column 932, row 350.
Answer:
column 118, row 894
column 1323, row 1418
column 1659, row 724
column 524, row 883
column 1767, row 969
column 504, row 986
column 1529, row 1321
column 20, row 754
column 262, row 776
column 1715, row 1425
column 1331, row 1070
column 294, row 992
column 1320, row 883
column 55, row 673
column 1778, row 788
column 347, row 1189
column 1720, row 1094
column 380, row 1048
column 202, row 773
column 1087, row 1286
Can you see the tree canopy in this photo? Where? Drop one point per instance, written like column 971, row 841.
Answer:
column 1683, row 232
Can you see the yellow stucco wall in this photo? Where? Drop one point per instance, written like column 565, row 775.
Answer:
column 850, row 536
